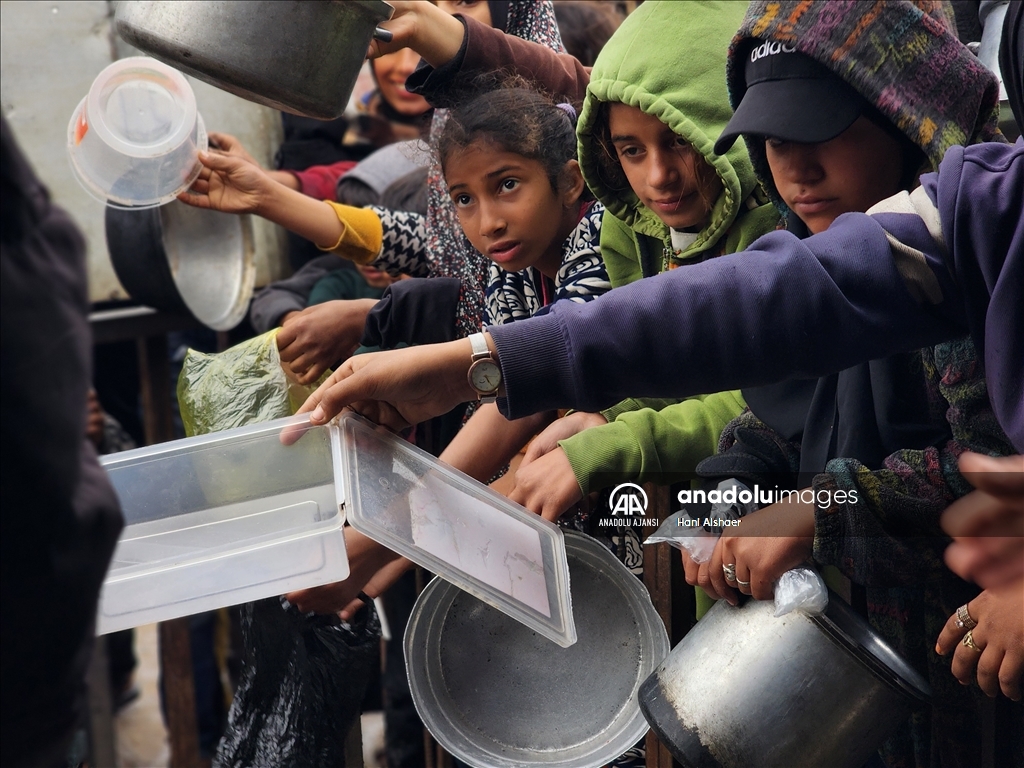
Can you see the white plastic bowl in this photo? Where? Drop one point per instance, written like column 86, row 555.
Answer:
column 134, row 140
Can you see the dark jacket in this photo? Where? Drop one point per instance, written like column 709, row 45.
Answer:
column 60, row 517
column 919, row 269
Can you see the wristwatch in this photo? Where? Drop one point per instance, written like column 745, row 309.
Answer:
column 484, row 373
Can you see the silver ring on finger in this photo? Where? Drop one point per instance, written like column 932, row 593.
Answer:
column 964, row 620
column 730, row 571
column 743, row 583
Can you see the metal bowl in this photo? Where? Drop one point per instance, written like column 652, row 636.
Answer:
column 298, row 56
column 495, row 693
column 185, row 260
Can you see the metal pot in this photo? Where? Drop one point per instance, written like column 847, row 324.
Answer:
column 299, row 56
column 745, row 688
column 185, row 260
column 494, row 693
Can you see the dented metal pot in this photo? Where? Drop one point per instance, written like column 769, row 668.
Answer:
column 746, row 688
column 295, row 55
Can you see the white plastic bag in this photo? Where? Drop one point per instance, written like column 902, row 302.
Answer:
column 801, row 589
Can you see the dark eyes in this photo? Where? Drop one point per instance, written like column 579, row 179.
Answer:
column 508, row 185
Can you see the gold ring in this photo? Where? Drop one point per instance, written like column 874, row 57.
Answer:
column 969, row 641
column 964, row 619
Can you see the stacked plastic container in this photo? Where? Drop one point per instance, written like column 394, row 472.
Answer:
column 239, row 515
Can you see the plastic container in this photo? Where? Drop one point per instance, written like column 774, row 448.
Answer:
column 221, row 519
column 134, row 140
column 452, row 525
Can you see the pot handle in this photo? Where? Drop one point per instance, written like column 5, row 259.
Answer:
column 384, row 35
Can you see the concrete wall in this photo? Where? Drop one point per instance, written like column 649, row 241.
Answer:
column 50, row 52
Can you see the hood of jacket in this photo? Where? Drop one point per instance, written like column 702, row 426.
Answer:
column 902, row 56
column 668, row 59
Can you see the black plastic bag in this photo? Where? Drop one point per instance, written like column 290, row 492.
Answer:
column 302, row 683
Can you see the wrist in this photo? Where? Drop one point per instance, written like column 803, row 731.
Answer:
column 436, row 35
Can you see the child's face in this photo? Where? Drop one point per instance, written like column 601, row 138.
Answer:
column 507, row 207
column 476, row 9
column 661, row 167
column 374, row 277
column 392, row 70
column 852, row 172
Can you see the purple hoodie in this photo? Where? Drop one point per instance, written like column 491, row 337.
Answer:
column 917, row 269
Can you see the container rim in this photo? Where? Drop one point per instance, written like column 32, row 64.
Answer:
column 141, row 67
column 841, row 624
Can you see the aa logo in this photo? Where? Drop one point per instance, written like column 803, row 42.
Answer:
column 628, row 499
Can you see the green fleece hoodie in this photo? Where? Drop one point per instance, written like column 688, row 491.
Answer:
column 668, row 59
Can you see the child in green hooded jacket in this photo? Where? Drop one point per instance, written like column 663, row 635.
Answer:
column 655, row 105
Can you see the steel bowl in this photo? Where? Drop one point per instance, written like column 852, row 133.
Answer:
column 299, row 56
column 745, row 688
column 495, row 693
column 185, row 260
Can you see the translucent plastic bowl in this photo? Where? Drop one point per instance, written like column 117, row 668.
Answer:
column 134, row 139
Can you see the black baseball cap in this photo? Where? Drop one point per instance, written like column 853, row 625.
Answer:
column 790, row 96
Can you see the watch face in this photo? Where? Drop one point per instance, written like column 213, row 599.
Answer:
column 485, row 376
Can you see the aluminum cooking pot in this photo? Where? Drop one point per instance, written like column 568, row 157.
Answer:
column 185, row 260
column 745, row 688
column 299, row 56
column 496, row 694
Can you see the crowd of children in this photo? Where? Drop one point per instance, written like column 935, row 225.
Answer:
column 830, row 315
column 840, row 108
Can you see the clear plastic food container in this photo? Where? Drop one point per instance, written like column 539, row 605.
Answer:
column 454, row 526
column 134, row 140
column 222, row 519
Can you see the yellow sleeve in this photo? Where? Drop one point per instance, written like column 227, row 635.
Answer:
column 361, row 233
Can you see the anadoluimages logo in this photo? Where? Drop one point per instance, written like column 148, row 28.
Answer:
column 628, row 499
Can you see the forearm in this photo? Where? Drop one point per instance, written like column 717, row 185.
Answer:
column 736, row 323
column 661, row 446
column 306, row 217
column 488, row 441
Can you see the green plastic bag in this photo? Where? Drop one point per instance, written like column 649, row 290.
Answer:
column 241, row 385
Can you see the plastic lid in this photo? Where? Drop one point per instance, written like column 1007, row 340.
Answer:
column 450, row 524
column 141, row 107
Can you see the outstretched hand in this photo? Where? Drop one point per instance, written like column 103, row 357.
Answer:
column 228, row 183
column 397, row 388
column 547, row 486
column 425, row 28
column 560, row 429
column 313, row 340
column 995, row 654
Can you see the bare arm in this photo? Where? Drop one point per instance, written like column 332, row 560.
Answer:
column 488, row 441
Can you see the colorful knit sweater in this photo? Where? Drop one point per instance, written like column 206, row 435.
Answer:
column 905, row 59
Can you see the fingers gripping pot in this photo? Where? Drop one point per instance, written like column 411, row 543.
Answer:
column 297, row 56
column 745, row 688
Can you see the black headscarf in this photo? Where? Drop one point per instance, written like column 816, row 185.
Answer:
column 499, row 13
